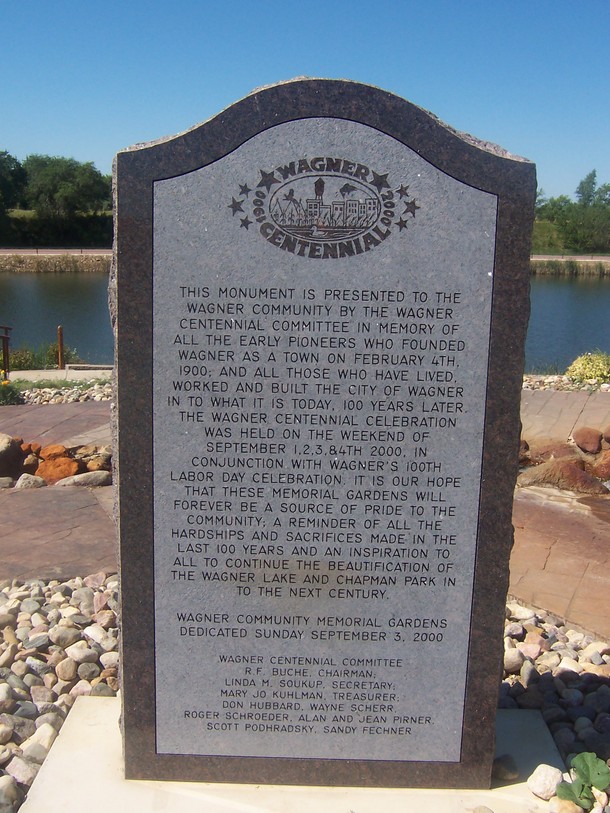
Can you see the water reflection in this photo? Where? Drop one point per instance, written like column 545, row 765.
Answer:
column 35, row 304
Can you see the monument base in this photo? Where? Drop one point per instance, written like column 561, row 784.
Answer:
column 85, row 769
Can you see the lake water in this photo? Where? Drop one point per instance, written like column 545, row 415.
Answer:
column 568, row 317
column 35, row 304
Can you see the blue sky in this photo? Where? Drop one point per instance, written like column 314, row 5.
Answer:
column 85, row 78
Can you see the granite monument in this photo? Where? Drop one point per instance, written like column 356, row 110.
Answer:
column 321, row 305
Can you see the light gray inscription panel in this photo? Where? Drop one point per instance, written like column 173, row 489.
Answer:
column 321, row 322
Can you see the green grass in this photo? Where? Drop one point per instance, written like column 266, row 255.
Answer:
column 569, row 268
column 546, row 238
column 54, row 264
column 22, row 214
column 547, row 369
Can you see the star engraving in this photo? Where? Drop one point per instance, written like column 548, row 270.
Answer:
column 402, row 190
column 244, row 189
column 380, row 181
column 402, row 224
column 245, row 222
column 236, row 206
column 410, row 208
column 267, row 179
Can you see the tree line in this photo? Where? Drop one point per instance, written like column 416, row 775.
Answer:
column 53, row 201
column 581, row 225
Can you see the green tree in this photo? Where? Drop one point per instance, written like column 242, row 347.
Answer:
column 585, row 191
column 541, row 200
column 602, row 195
column 12, row 181
column 61, row 187
column 556, row 210
column 583, row 225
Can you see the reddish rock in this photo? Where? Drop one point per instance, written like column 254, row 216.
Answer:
column 566, row 473
column 95, row 580
column 606, row 434
column 538, row 639
column 106, row 619
column 31, row 448
column 524, row 457
column 57, row 468
column 540, row 454
column 53, row 451
column 588, row 439
column 601, row 467
column 100, row 602
column 529, row 650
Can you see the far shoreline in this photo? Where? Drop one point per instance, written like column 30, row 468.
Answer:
column 99, row 260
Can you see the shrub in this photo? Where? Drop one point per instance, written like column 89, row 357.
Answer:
column 9, row 394
column 42, row 359
column 22, row 359
column 588, row 772
column 591, row 366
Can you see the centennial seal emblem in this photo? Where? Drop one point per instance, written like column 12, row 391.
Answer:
column 324, row 208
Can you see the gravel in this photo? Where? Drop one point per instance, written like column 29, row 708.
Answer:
column 562, row 383
column 93, row 390
column 60, row 639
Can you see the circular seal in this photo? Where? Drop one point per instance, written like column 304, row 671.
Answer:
column 324, row 208
column 331, row 207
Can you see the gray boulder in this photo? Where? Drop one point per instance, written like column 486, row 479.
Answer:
column 11, row 456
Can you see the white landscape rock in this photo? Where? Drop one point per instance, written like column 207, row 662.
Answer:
column 543, row 782
column 22, row 770
column 513, row 661
column 9, row 793
column 30, row 481
column 36, row 747
column 88, row 479
column 596, row 647
column 570, row 665
column 518, row 612
column 100, row 636
column 109, row 660
column 81, row 653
